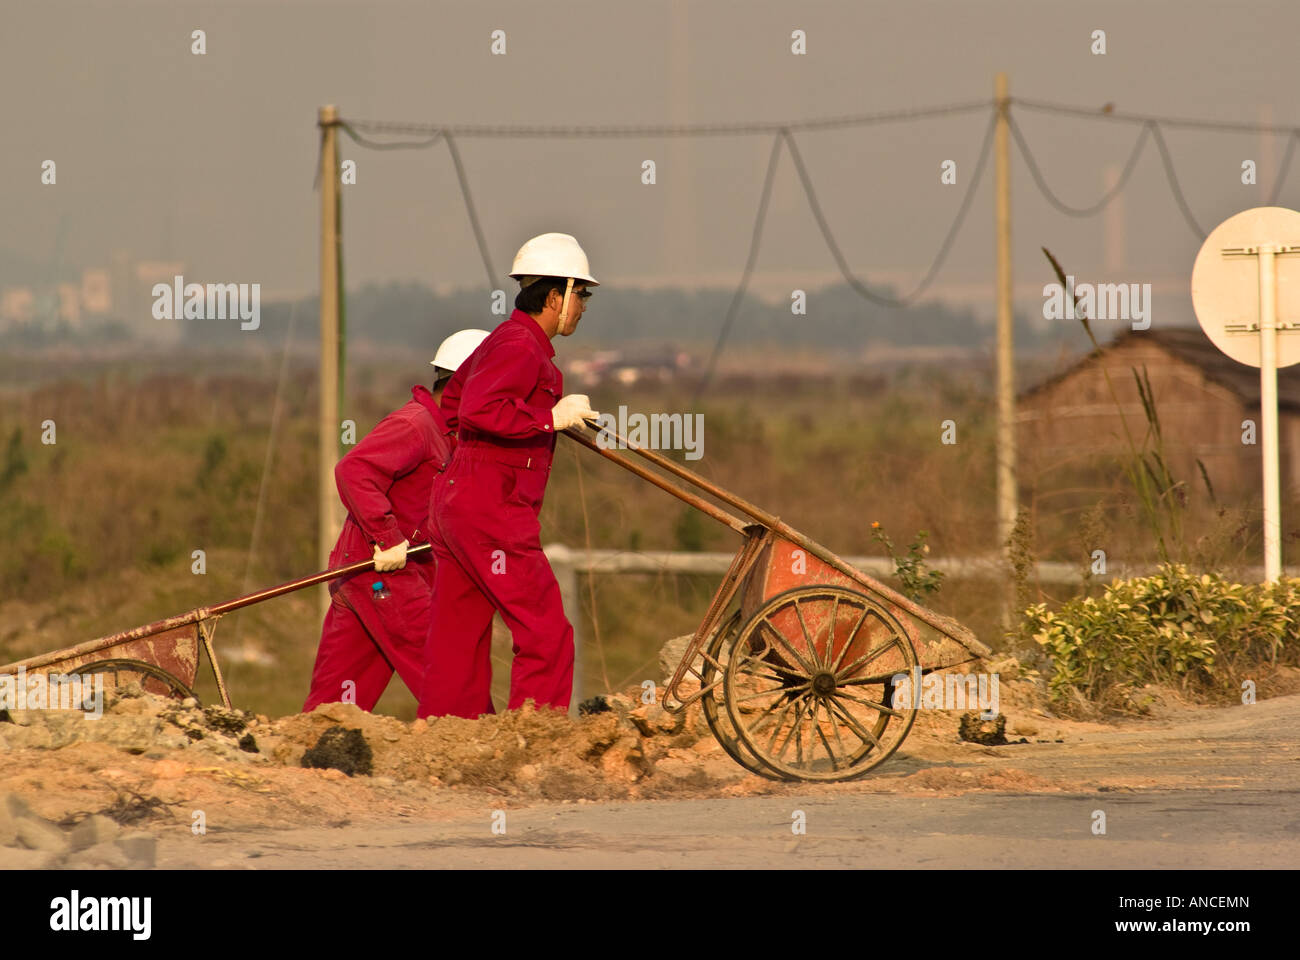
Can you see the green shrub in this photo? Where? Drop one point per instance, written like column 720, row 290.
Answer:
column 919, row 581
column 1199, row 634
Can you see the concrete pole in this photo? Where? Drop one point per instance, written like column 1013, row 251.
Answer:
column 1268, row 410
column 1006, row 444
column 328, row 425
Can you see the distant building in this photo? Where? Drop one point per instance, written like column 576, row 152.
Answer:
column 615, row 366
column 96, row 292
column 16, row 304
column 1201, row 396
column 70, row 304
column 123, row 292
column 141, row 319
column 122, row 281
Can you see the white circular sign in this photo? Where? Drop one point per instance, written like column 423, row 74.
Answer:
column 1225, row 283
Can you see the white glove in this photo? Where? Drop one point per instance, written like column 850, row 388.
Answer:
column 571, row 410
column 394, row 558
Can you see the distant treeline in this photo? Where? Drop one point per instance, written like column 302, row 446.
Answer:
column 411, row 314
column 836, row 318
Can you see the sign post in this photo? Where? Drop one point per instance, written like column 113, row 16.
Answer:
column 1246, row 293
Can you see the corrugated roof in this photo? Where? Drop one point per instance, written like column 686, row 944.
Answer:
column 1191, row 345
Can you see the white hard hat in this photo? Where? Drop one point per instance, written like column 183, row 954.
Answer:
column 552, row 255
column 456, row 349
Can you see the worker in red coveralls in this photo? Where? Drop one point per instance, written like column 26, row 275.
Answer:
column 378, row 622
column 506, row 404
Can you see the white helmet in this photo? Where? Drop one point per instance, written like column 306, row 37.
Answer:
column 552, row 255
column 456, row 349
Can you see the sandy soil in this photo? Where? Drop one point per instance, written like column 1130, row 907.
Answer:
column 150, row 770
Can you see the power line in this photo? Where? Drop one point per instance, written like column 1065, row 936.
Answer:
column 397, row 128
column 1186, row 122
column 1061, row 205
column 1172, row 177
column 754, row 240
column 469, row 208
column 861, row 288
column 1281, row 174
column 429, row 134
column 831, row 243
column 391, row 145
column 1149, row 127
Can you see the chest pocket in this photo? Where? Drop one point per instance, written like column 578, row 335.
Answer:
column 552, row 383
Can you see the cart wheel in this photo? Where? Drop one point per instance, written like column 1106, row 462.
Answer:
column 809, row 684
column 716, row 654
column 153, row 679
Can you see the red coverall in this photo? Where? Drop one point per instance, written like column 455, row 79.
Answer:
column 384, row 482
column 488, row 548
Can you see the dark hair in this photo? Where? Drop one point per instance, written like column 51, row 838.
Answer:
column 532, row 298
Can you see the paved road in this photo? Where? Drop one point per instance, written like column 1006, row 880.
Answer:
column 1198, row 828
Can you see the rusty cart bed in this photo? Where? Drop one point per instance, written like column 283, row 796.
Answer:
column 795, row 662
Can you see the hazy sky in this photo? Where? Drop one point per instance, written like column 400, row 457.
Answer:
column 209, row 159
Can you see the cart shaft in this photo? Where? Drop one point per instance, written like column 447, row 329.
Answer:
column 627, row 463
column 945, row 625
column 198, row 614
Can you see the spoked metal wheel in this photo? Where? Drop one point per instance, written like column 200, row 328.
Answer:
column 809, row 684
column 152, row 678
column 717, row 653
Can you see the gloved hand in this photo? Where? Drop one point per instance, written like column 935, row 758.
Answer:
column 394, row 558
column 571, row 410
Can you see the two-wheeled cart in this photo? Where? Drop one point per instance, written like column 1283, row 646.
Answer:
column 800, row 656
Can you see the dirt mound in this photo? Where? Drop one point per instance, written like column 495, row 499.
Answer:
column 613, row 752
column 139, row 723
column 605, row 754
column 341, row 748
column 80, row 789
column 618, row 748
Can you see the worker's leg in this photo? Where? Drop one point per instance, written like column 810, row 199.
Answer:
column 518, row 581
column 458, row 668
column 543, row 637
column 399, row 623
column 349, row 666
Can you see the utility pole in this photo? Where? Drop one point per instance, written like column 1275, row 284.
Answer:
column 1006, row 448
column 329, row 339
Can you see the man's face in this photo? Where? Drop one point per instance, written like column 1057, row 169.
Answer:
column 577, row 306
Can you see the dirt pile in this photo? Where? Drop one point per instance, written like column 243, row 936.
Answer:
column 341, row 748
column 139, row 723
column 77, row 789
column 620, row 748
column 627, row 750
